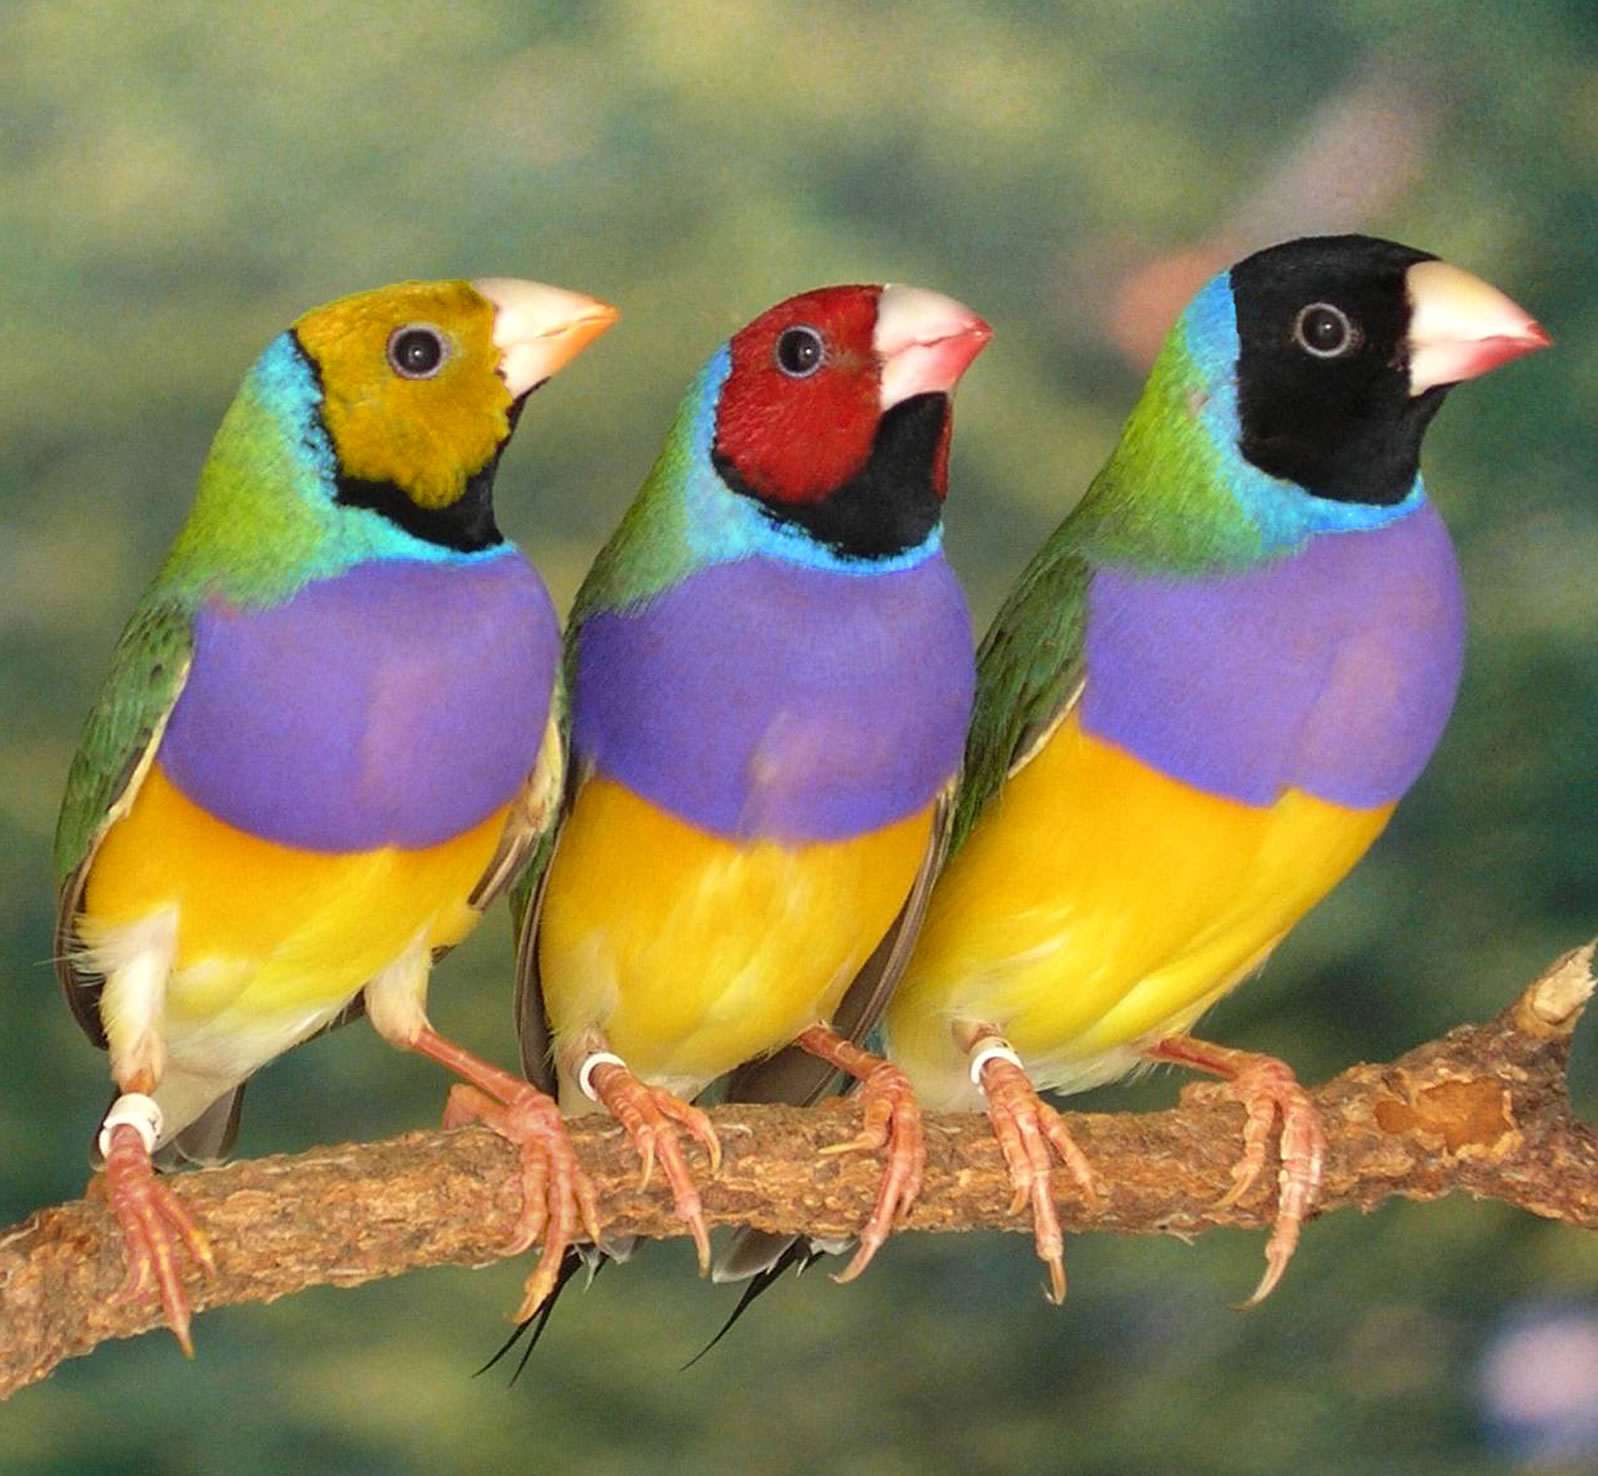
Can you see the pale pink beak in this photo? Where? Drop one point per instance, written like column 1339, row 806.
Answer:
column 539, row 329
column 1461, row 327
column 925, row 342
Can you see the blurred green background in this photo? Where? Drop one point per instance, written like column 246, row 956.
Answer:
column 179, row 180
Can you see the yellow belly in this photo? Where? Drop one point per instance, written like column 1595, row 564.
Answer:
column 266, row 929
column 1100, row 905
column 693, row 953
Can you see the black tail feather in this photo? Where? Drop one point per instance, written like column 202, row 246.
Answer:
column 800, row 1253
column 573, row 1262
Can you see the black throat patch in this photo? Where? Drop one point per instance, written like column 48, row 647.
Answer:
column 889, row 505
column 466, row 524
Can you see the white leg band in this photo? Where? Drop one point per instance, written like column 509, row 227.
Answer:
column 991, row 1049
column 585, row 1072
column 137, row 1111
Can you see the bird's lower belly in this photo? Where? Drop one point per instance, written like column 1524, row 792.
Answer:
column 1101, row 905
column 693, row 953
column 267, row 930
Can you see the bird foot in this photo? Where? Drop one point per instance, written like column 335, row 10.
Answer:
column 1267, row 1089
column 155, row 1227
column 651, row 1117
column 1027, row 1129
column 557, row 1196
column 892, row 1122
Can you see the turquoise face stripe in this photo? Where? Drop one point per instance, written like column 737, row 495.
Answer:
column 286, row 387
column 720, row 526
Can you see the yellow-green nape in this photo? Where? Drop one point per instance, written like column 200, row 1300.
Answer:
column 426, row 435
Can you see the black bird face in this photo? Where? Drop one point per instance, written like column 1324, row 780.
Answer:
column 1347, row 346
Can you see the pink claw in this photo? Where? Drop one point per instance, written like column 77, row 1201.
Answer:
column 1267, row 1088
column 892, row 1122
column 651, row 1117
column 155, row 1226
column 1027, row 1129
column 557, row 1195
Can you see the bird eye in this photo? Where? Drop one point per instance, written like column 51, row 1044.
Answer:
column 800, row 352
column 416, row 351
column 1324, row 330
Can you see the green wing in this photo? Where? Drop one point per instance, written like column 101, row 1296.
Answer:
column 147, row 673
column 1029, row 672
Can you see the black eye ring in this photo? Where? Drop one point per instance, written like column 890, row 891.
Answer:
column 800, row 352
column 1324, row 330
column 417, row 351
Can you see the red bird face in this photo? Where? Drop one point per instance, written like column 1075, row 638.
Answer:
column 813, row 379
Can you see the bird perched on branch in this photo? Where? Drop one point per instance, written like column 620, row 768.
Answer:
column 1200, row 704
column 330, row 736
column 770, row 669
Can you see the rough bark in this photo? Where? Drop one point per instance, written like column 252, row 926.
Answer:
column 1484, row 1109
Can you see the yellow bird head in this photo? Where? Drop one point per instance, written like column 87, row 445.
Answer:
column 421, row 381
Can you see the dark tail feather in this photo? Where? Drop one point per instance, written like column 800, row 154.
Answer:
column 798, row 1253
column 210, row 1139
column 573, row 1262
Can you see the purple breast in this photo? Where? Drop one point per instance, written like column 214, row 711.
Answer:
column 763, row 699
column 398, row 704
column 1333, row 671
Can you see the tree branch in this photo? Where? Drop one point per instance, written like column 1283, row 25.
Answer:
column 1484, row 1109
